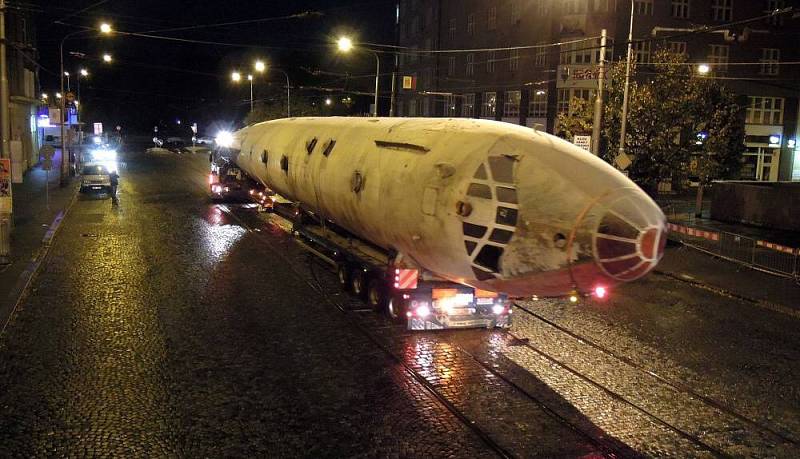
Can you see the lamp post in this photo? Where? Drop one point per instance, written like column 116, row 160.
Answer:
column 250, row 79
column 627, row 87
column 106, row 29
column 345, row 45
column 66, row 74
column 82, row 73
column 261, row 67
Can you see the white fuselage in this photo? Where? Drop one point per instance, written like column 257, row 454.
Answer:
column 489, row 204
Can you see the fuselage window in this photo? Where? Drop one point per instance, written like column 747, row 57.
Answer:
column 310, row 145
column 264, row 156
column 328, row 147
column 502, row 168
column 479, row 190
column 285, row 164
column 508, row 195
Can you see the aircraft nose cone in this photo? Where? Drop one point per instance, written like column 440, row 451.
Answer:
column 630, row 238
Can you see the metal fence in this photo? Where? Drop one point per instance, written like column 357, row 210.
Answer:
column 758, row 254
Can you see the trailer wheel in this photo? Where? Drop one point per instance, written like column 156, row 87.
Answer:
column 357, row 281
column 394, row 310
column 343, row 274
column 376, row 297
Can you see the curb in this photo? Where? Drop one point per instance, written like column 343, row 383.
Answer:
column 25, row 278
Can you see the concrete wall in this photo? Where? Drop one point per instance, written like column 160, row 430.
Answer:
column 771, row 205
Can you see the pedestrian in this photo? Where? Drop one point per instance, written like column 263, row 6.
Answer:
column 114, row 182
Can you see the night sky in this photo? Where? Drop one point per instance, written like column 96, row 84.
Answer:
column 160, row 81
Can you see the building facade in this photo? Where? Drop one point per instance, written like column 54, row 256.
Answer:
column 22, row 78
column 494, row 59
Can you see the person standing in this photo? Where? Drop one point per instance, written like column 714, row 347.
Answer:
column 114, row 183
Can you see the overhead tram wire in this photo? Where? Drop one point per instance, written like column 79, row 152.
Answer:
column 83, row 10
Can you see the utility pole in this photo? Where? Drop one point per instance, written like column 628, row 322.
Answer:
column 598, row 102
column 627, row 88
column 6, row 206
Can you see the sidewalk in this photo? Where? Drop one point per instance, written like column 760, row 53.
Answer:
column 680, row 210
column 31, row 221
column 689, row 265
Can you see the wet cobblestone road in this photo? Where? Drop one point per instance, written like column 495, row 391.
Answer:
column 169, row 326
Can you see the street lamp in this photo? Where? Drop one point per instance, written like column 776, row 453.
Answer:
column 107, row 58
column 261, row 67
column 105, row 28
column 84, row 72
column 58, row 95
column 624, row 120
column 236, row 77
column 703, row 69
column 345, row 45
column 44, row 96
column 66, row 74
column 250, row 79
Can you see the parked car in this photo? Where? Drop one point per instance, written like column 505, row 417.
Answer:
column 95, row 177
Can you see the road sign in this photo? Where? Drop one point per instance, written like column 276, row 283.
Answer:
column 47, row 151
column 98, row 128
column 622, row 161
column 583, row 141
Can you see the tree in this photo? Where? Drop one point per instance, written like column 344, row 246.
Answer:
column 276, row 108
column 665, row 114
column 576, row 121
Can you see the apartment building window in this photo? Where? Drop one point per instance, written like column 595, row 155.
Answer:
column 641, row 51
column 489, row 107
column 770, row 57
column 574, row 6
column 468, row 106
column 452, row 30
column 680, row 9
column 515, row 15
column 540, row 58
column 450, row 105
column 541, row 8
column 537, row 104
column 765, row 110
column 566, row 95
column 677, row 47
column 643, row 7
column 773, row 5
column 451, row 66
column 414, row 55
column 719, row 55
column 415, row 29
column 576, row 53
column 490, row 60
column 491, row 21
column 412, row 107
column 722, row 10
column 605, row 6
column 511, row 104
column 471, row 24
column 470, row 64
column 513, row 60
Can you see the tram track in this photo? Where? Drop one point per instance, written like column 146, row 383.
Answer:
column 674, row 385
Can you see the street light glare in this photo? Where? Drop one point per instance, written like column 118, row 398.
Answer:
column 249, row 77
column 344, row 44
column 106, row 58
column 236, row 76
column 328, row 101
column 66, row 73
column 260, row 66
column 105, row 28
column 703, row 69
column 84, row 72
column 44, row 96
column 58, row 95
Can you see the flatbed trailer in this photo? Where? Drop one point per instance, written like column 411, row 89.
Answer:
column 390, row 285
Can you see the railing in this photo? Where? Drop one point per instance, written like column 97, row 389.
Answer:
column 755, row 253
